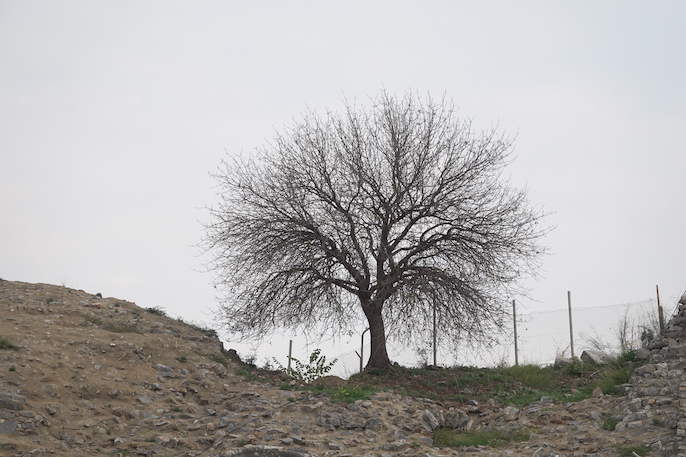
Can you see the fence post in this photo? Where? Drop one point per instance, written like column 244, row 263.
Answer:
column 514, row 320
column 290, row 352
column 661, row 316
column 435, row 364
column 571, row 332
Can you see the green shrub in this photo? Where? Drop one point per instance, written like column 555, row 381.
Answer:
column 157, row 311
column 7, row 344
column 308, row 372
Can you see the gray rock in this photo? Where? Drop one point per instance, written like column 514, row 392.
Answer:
column 596, row 357
column 8, row 426
column 561, row 361
column 12, row 401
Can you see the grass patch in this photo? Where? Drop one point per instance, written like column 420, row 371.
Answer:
column 7, row 344
column 610, row 424
column 182, row 359
column 120, row 328
column 629, row 451
column 444, row 437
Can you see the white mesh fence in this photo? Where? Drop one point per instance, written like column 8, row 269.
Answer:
column 541, row 336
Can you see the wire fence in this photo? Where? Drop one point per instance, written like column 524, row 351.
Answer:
column 541, row 337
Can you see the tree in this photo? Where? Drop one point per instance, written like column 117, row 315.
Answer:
column 398, row 210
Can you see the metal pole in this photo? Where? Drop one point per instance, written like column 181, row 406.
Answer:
column 659, row 311
column 290, row 351
column 435, row 364
column 571, row 332
column 362, row 349
column 514, row 320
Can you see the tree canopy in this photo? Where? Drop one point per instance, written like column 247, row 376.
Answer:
column 391, row 212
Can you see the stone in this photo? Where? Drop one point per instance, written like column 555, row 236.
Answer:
column 561, row 361
column 8, row 426
column 12, row 401
column 596, row 357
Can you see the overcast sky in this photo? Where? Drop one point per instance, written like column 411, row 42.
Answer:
column 114, row 113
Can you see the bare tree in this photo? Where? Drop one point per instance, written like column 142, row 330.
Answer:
column 398, row 211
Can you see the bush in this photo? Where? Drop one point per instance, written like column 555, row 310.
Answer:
column 157, row 310
column 308, row 372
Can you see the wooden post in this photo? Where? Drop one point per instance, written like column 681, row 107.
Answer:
column 661, row 316
column 290, row 353
column 514, row 320
column 571, row 332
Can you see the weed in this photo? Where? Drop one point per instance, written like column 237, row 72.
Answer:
column 218, row 358
column 7, row 344
column 349, row 394
column 182, row 359
column 13, row 368
column 496, row 438
column 176, row 409
column 610, row 424
column 613, row 375
column 117, row 305
column 95, row 320
column 99, row 295
column 629, row 451
column 241, row 442
column 49, row 300
column 247, row 374
column 122, row 452
column 157, row 311
column 151, row 439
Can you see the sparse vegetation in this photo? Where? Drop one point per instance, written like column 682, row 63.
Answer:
column 629, row 451
column 209, row 332
column 99, row 295
column 157, row 310
column 12, row 368
column 183, row 359
column 495, row 438
column 7, row 344
column 120, row 328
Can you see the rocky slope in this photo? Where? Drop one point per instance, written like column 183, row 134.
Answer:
column 102, row 376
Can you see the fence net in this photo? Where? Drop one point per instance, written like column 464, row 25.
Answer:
column 541, row 337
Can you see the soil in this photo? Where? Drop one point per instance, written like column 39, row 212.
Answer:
column 101, row 376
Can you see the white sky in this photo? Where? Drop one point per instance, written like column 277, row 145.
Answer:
column 113, row 114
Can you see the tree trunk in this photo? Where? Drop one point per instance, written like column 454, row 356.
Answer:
column 379, row 356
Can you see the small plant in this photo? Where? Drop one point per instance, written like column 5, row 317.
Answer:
column 95, row 320
column 151, row 439
column 122, row 452
column 157, row 311
column 7, row 344
column 241, row 442
column 218, row 358
column 117, row 305
column 308, row 372
column 13, row 368
column 49, row 300
column 182, row 359
column 176, row 409
column 610, row 424
column 99, row 295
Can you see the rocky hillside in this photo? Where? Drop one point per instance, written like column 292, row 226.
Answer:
column 82, row 375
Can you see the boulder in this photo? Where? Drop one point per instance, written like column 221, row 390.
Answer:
column 596, row 357
column 561, row 361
